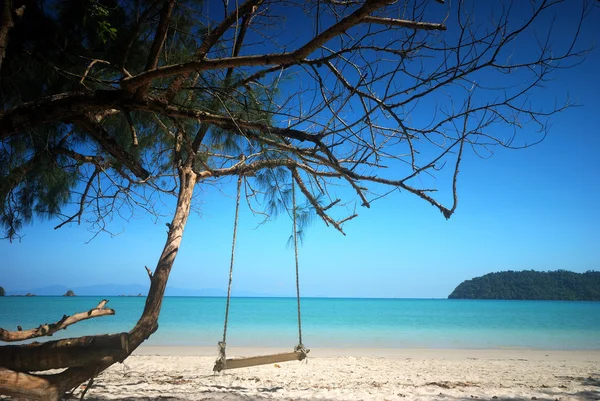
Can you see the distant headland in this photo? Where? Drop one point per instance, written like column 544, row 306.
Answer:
column 532, row 285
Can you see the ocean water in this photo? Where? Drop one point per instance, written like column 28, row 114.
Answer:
column 330, row 322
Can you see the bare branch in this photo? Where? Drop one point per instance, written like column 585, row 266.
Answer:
column 149, row 273
column 82, row 201
column 134, row 139
column 307, row 193
column 247, row 8
column 212, row 38
column 428, row 26
column 159, row 40
column 89, row 67
column 50, row 329
column 61, row 107
column 97, row 131
column 337, row 29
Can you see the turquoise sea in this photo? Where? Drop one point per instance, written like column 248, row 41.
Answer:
column 330, row 322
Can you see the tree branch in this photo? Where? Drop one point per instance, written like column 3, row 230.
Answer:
column 216, row 33
column 328, row 220
column 159, row 40
column 209, row 41
column 337, row 29
column 428, row 26
column 25, row 386
column 237, row 46
column 70, row 352
column 95, row 160
column 61, row 107
column 82, row 200
column 50, row 329
column 18, row 174
column 97, row 131
column 134, row 139
column 228, row 122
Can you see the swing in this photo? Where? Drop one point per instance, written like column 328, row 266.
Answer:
column 299, row 353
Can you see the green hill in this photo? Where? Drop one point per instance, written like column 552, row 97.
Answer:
column 530, row 284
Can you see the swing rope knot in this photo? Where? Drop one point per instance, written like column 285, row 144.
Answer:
column 221, row 362
column 304, row 351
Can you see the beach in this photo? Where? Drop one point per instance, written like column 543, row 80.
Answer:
column 185, row 373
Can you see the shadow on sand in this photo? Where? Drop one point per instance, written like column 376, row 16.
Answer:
column 229, row 393
column 593, row 380
column 236, row 393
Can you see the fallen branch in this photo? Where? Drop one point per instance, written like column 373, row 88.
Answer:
column 28, row 386
column 49, row 329
column 66, row 353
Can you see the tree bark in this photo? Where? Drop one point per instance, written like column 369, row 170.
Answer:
column 148, row 323
column 6, row 23
column 66, row 353
column 86, row 357
column 23, row 385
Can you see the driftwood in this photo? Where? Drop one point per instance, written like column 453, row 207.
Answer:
column 29, row 386
column 70, row 352
column 49, row 329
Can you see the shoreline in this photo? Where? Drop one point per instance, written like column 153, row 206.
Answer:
column 390, row 353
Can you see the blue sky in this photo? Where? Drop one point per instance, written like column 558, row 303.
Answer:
column 530, row 209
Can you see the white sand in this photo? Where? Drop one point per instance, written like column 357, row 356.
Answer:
column 185, row 373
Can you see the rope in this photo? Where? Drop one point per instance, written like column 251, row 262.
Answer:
column 300, row 346
column 222, row 358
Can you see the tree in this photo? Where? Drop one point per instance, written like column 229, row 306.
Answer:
column 2, row 292
column 149, row 99
column 551, row 285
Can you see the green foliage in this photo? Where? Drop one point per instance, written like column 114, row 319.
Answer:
column 530, row 284
column 37, row 188
column 99, row 13
column 48, row 49
column 54, row 42
column 67, row 46
column 2, row 292
column 53, row 46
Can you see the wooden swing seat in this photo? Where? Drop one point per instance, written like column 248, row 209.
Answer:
column 235, row 363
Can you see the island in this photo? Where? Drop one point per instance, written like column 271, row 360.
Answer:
column 532, row 285
column 69, row 293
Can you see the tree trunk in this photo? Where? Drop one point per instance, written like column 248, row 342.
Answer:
column 148, row 323
column 93, row 354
